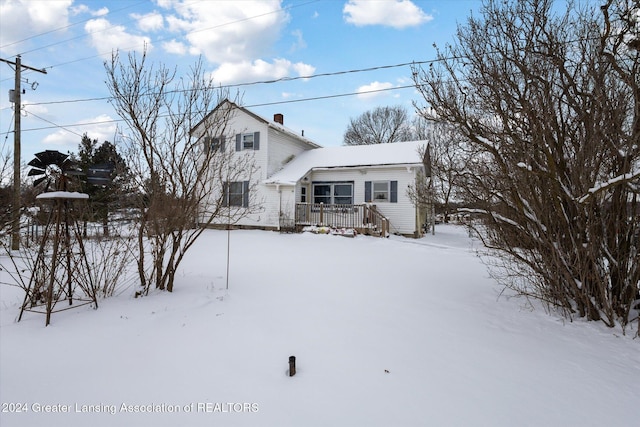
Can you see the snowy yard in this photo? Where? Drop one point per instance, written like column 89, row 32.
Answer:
column 386, row 332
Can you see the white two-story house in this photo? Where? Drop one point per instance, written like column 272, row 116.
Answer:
column 295, row 182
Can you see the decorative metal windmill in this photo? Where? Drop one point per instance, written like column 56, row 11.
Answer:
column 61, row 270
column 53, row 167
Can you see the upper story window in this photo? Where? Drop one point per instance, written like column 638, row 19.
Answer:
column 212, row 144
column 248, row 141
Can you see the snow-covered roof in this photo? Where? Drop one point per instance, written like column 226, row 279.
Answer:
column 396, row 154
column 63, row 195
column 272, row 124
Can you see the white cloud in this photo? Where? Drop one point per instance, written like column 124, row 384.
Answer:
column 303, row 69
column 105, row 37
column 83, row 8
column 150, row 22
column 259, row 69
column 24, row 18
column 299, row 43
column 100, row 12
column 77, row 10
column 372, row 89
column 166, row 4
column 102, row 128
column 228, row 31
column 36, row 109
column 397, row 13
column 175, row 47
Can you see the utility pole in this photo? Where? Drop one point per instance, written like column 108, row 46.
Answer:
column 17, row 92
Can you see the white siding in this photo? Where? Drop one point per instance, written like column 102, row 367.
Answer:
column 243, row 123
column 282, row 149
column 401, row 215
column 275, row 148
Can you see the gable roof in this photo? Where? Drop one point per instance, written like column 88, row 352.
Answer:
column 272, row 124
column 394, row 154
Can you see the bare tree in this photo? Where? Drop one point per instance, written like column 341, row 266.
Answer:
column 551, row 105
column 450, row 159
column 173, row 171
column 381, row 126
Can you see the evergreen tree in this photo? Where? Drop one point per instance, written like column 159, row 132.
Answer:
column 106, row 196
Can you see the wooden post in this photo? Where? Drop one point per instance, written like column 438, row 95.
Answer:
column 292, row 366
column 321, row 213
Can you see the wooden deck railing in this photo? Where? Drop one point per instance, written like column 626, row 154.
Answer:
column 364, row 218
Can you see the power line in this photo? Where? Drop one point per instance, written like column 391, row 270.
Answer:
column 317, row 98
column 64, row 28
column 55, row 125
column 291, row 101
column 258, row 82
column 160, row 39
column 6, row 137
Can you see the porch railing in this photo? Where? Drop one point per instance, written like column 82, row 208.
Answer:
column 364, row 218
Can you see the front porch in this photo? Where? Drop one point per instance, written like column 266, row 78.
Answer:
column 364, row 218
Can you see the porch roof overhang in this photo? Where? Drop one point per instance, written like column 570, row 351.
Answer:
column 396, row 155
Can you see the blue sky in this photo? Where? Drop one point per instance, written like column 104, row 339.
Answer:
column 240, row 41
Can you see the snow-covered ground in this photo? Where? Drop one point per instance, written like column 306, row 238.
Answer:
column 386, row 332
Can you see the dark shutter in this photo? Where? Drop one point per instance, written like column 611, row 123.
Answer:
column 256, row 140
column 394, row 192
column 367, row 191
column 245, row 194
column 225, row 194
column 239, row 142
column 207, row 144
column 426, row 161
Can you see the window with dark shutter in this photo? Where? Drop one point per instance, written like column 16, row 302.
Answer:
column 248, row 141
column 235, row 194
column 380, row 191
column 218, row 143
column 214, row 144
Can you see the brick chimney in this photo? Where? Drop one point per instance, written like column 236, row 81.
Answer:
column 278, row 118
